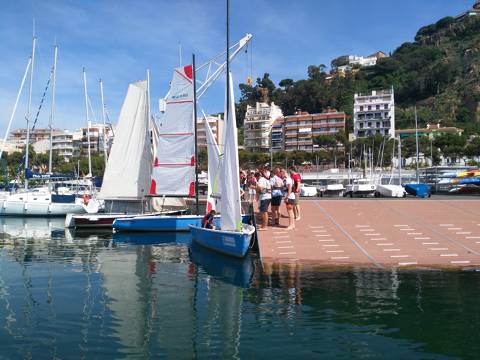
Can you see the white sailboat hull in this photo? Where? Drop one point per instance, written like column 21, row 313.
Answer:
column 361, row 189
column 392, row 191
column 38, row 204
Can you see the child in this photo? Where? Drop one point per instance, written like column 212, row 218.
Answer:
column 207, row 221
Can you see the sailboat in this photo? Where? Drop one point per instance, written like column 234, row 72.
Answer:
column 417, row 188
column 391, row 190
column 39, row 201
column 127, row 175
column 174, row 170
column 233, row 237
column 365, row 186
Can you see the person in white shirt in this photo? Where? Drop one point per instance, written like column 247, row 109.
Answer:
column 289, row 199
column 276, row 182
column 264, row 190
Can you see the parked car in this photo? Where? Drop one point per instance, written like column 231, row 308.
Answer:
column 307, row 191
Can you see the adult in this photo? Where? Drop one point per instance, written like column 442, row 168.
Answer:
column 289, row 199
column 252, row 186
column 264, row 190
column 297, row 180
column 276, row 182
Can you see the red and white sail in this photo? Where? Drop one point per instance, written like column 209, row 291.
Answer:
column 174, row 164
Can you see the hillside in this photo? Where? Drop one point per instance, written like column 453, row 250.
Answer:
column 439, row 72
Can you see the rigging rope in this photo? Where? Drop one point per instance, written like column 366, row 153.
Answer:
column 22, row 162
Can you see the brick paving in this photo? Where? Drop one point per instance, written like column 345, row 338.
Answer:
column 378, row 233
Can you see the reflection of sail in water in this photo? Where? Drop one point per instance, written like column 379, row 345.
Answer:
column 219, row 299
column 149, row 306
column 218, row 316
column 376, row 291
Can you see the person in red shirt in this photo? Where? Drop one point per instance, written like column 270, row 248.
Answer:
column 297, row 180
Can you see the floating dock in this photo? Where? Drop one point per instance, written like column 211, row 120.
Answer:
column 378, row 233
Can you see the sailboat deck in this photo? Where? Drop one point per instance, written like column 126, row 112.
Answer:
column 378, row 233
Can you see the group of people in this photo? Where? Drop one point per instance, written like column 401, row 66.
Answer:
column 270, row 188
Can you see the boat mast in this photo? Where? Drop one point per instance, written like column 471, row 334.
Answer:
column 15, row 106
column 416, row 144
column 105, row 153
column 227, row 110
column 399, row 160
column 195, row 128
column 88, row 123
column 29, row 108
column 52, row 113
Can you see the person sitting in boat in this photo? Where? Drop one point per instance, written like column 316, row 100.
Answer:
column 207, row 221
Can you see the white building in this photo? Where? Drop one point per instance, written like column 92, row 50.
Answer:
column 96, row 138
column 216, row 124
column 11, row 146
column 370, row 60
column 62, row 143
column 258, row 125
column 374, row 114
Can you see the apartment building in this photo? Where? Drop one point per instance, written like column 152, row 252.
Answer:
column 20, row 135
column 300, row 129
column 80, row 138
column 277, row 135
column 216, row 124
column 258, row 125
column 374, row 113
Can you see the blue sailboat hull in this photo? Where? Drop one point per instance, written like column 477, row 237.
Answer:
column 226, row 242
column 418, row 190
column 235, row 271
column 164, row 222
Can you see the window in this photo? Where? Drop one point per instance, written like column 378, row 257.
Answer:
column 369, row 124
column 385, row 106
column 378, row 124
column 361, row 108
column 361, row 125
column 377, row 107
column 369, row 107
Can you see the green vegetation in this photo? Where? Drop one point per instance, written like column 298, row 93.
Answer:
column 11, row 165
column 439, row 73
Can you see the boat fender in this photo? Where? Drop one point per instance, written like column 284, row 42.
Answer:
column 86, row 199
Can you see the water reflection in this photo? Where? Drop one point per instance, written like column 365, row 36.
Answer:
column 69, row 294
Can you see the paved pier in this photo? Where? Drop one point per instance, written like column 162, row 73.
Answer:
column 378, row 233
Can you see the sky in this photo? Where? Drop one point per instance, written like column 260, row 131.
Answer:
column 118, row 40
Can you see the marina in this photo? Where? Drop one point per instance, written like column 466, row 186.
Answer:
column 376, row 233
column 137, row 295
column 197, row 209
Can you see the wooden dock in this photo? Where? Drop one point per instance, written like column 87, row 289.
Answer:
column 378, row 233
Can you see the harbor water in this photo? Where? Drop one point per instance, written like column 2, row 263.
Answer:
column 74, row 295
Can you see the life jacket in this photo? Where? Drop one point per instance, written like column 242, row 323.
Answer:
column 206, row 219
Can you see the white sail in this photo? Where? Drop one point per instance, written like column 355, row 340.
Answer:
column 230, row 205
column 154, row 134
column 128, row 171
column 174, row 165
column 214, row 159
